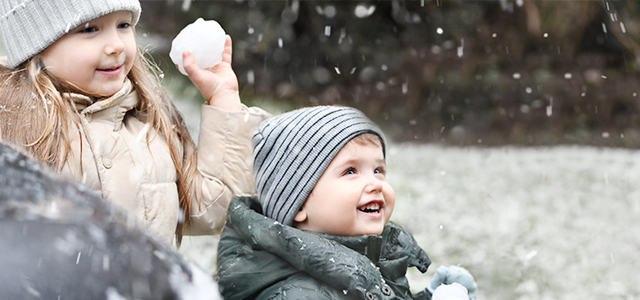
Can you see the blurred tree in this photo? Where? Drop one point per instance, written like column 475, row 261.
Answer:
column 460, row 72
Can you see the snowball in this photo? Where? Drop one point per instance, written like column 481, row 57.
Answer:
column 204, row 39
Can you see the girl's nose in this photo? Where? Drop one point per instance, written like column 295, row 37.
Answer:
column 115, row 44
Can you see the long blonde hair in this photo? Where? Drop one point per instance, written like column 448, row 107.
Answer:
column 35, row 115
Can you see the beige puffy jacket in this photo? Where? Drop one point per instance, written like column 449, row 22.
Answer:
column 114, row 159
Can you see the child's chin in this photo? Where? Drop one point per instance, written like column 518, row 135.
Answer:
column 371, row 230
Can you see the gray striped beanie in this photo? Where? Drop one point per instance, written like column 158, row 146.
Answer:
column 30, row 26
column 292, row 150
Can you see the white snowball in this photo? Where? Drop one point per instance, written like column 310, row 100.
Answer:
column 204, row 39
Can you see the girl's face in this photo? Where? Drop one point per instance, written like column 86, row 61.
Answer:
column 352, row 196
column 96, row 56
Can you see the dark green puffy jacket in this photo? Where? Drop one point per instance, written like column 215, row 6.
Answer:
column 260, row 258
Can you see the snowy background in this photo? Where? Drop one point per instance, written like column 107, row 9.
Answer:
column 529, row 223
column 555, row 222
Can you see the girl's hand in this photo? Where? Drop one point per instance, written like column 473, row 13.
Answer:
column 218, row 84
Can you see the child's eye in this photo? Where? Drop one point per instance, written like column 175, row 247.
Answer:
column 124, row 25
column 379, row 171
column 89, row 29
column 349, row 171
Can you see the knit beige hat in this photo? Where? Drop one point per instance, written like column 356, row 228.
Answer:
column 30, row 26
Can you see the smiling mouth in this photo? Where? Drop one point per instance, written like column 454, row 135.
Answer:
column 370, row 208
column 110, row 69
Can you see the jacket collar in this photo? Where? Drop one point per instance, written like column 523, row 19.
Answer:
column 254, row 245
column 368, row 245
column 285, row 251
column 110, row 110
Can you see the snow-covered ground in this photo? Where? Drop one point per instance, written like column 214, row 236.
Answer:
column 529, row 223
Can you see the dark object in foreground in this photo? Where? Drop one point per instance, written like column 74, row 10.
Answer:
column 59, row 240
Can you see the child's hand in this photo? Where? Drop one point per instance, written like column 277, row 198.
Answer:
column 449, row 275
column 218, row 84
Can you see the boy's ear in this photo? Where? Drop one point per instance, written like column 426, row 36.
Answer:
column 301, row 216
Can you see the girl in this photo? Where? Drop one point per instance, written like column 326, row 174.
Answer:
column 78, row 94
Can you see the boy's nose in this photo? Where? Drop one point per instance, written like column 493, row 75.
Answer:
column 374, row 185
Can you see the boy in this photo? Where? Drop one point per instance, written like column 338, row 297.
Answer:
column 320, row 174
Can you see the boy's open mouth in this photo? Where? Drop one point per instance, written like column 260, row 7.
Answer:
column 373, row 207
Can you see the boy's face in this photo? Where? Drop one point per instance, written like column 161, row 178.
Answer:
column 352, row 196
column 96, row 56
